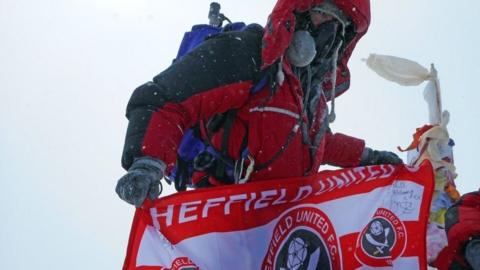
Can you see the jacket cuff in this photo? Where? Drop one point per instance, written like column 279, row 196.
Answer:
column 149, row 163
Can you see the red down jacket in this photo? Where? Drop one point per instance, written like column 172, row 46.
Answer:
column 462, row 223
column 218, row 76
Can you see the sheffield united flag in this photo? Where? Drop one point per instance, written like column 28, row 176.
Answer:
column 371, row 217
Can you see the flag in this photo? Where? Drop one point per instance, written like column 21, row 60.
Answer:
column 406, row 72
column 372, row 217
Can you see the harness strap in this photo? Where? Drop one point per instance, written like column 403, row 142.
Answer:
column 220, row 168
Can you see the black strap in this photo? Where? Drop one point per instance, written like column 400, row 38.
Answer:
column 183, row 175
column 227, row 129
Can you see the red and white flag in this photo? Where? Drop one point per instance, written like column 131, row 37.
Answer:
column 358, row 218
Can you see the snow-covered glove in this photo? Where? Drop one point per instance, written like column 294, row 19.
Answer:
column 375, row 157
column 141, row 181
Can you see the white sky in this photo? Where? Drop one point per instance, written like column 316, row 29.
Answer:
column 67, row 69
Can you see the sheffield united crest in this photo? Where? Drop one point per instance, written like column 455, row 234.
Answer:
column 303, row 238
column 382, row 240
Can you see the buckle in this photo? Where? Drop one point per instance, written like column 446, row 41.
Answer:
column 239, row 176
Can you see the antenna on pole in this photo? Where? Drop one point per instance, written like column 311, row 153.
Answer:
column 214, row 15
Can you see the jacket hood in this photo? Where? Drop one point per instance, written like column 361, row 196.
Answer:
column 281, row 26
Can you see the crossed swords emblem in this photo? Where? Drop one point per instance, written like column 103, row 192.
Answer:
column 379, row 246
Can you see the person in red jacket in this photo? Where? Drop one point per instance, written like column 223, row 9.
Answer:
column 277, row 81
column 462, row 224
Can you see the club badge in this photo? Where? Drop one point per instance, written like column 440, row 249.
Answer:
column 303, row 239
column 382, row 240
column 182, row 263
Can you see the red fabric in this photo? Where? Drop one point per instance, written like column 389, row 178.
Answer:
column 245, row 226
column 468, row 221
column 167, row 125
column 445, row 258
column 281, row 23
column 342, row 150
column 268, row 131
column 416, row 138
column 467, row 226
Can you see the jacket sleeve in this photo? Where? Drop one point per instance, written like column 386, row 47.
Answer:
column 212, row 79
column 342, row 150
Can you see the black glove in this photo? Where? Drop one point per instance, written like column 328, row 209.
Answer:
column 142, row 180
column 374, row 157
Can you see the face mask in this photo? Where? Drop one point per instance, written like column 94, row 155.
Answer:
column 325, row 36
column 324, row 40
column 301, row 50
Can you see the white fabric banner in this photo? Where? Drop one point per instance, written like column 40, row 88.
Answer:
column 361, row 218
column 409, row 73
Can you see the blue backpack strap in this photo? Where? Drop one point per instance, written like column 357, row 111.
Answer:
column 261, row 84
column 190, row 147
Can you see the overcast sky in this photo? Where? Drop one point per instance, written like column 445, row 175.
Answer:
column 67, row 69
